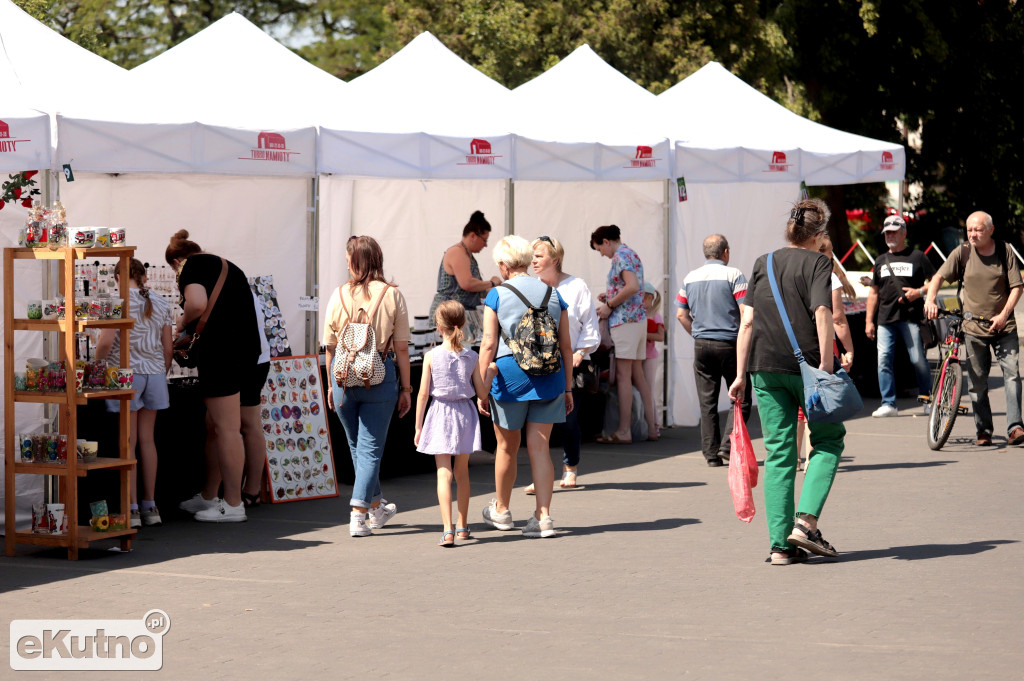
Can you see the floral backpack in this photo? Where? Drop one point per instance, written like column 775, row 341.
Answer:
column 356, row 360
column 534, row 341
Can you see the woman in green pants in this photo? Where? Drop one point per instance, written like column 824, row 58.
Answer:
column 803, row 276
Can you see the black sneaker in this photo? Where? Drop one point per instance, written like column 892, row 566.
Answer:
column 715, row 462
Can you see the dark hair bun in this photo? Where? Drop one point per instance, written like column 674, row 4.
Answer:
column 477, row 216
column 180, row 235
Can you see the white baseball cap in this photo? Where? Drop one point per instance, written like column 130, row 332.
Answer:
column 893, row 223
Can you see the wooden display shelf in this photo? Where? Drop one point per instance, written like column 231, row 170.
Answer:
column 61, row 397
column 86, row 535
column 78, row 536
column 82, row 468
column 79, row 253
column 78, row 324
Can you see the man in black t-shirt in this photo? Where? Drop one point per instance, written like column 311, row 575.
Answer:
column 898, row 288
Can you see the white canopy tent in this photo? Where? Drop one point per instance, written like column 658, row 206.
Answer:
column 216, row 135
column 743, row 157
column 423, row 143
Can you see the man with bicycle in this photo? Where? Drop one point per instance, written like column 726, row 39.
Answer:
column 897, row 287
column 992, row 286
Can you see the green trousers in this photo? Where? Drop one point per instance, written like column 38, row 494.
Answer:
column 778, row 397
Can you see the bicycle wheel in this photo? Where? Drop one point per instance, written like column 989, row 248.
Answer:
column 945, row 402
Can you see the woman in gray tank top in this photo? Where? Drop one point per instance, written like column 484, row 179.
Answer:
column 458, row 277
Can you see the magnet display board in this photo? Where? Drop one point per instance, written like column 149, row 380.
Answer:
column 300, row 461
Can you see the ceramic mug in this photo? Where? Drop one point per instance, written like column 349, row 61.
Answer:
column 102, row 237
column 35, row 309
column 117, row 237
column 84, row 238
column 124, row 378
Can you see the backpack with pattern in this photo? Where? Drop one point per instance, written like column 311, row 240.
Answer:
column 356, row 360
column 534, row 341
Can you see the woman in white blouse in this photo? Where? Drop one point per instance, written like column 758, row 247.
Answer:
column 583, row 330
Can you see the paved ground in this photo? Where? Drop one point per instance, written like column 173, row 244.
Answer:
column 651, row 576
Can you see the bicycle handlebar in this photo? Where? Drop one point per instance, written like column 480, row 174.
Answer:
column 967, row 317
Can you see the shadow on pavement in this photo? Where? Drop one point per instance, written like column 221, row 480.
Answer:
column 926, row 551
column 886, row 466
column 661, row 524
column 637, row 486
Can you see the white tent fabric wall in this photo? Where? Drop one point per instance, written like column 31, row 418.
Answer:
column 259, row 223
column 752, row 216
column 414, row 221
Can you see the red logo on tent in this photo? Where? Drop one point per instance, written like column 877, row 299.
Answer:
column 778, row 164
column 644, row 158
column 6, row 143
column 887, row 161
column 270, row 146
column 480, row 154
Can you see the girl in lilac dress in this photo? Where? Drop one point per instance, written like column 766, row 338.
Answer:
column 451, row 427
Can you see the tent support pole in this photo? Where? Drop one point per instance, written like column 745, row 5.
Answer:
column 510, row 208
column 667, row 376
column 312, row 258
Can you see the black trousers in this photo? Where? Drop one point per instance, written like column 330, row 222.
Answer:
column 713, row 361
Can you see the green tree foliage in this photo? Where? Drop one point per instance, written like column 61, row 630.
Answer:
column 878, row 68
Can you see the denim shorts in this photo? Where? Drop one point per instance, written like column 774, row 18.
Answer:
column 150, row 393
column 514, row 415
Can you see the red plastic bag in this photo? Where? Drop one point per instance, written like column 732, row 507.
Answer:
column 742, row 468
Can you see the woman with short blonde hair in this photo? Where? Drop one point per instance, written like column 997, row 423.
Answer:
column 517, row 398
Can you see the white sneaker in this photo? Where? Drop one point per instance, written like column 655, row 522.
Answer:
column 378, row 517
column 136, row 520
column 198, row 503
column 151, row 517
column 885, row 410
column 544, row 527
column 357, row 526
column 499, row 521
column 223, row 512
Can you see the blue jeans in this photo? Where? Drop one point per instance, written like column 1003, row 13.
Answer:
column 886, row 343
column 365, row 413
column 979, row 361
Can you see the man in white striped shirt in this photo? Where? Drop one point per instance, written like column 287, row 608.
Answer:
column 710, row 305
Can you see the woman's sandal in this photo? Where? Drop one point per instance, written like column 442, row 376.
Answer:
column 447, row 539
column 530, row 489
column 250, row 500
column 462, row 533
column 568, row 480
column 811, row 540
column 790, row 557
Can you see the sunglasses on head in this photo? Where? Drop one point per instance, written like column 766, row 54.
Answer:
column 545, row 238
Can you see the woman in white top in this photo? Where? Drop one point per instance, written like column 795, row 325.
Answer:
column 584, row 332
column 149, row 358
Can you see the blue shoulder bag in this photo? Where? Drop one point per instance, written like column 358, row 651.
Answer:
column 828, row 398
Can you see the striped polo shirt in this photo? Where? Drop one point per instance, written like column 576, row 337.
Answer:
column 713, row 293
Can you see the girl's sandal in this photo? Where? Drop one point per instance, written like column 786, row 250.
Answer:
column 530, row 489
column 811, row 540
column 462, row 533
column 568, row 480
column 447, row 539
column 250, row 500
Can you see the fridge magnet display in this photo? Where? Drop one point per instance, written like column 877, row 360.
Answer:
column 300, row 461
column 277, row 337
